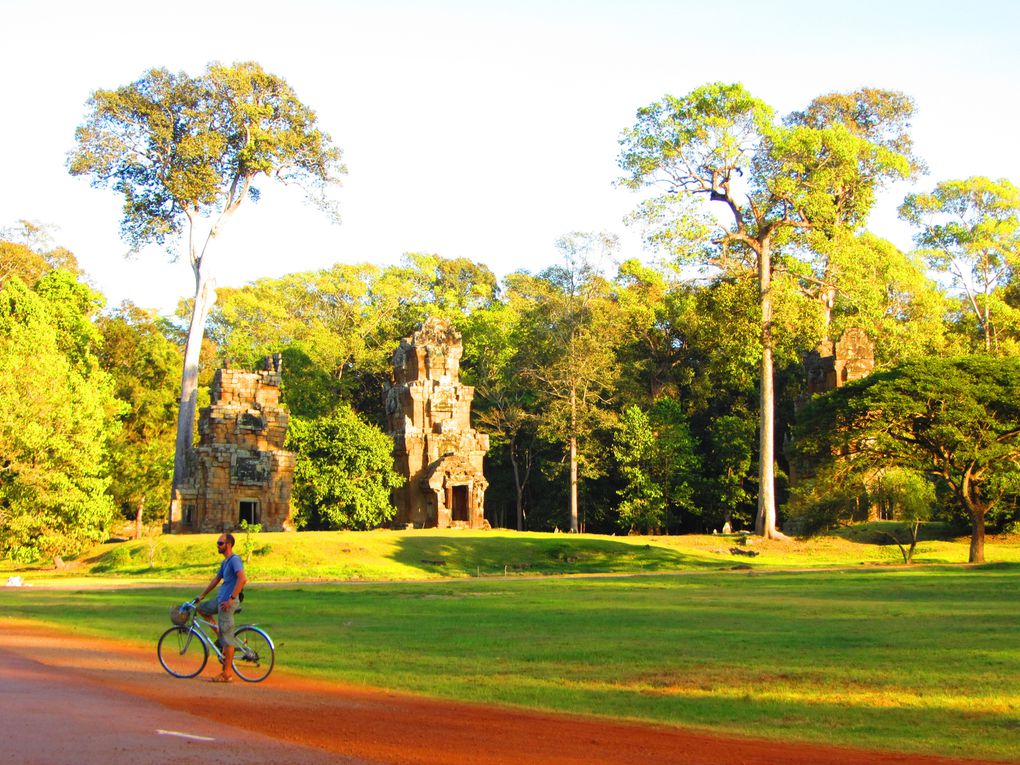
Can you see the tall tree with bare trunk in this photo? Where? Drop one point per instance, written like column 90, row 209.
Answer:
column 969, row 230
column 185, row 153
column 775, row 184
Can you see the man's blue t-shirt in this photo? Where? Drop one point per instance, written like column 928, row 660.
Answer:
column 229, row 570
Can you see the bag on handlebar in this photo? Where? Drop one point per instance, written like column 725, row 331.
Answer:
column 178, row 615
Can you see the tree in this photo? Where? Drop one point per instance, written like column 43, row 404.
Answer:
column 910, row 498
column 829, row 261
column 889, row 293
column 572, row 331
column 658, row 460
column 27, row 250
column 970, row 230
column 727, row 468
column 695, row 352
column 505, row 404
column 183, row 150
column 325, row 323
column 143, row 363
column 954, row 420
column 448, row 287
column 344, row 473
column 775, row 185
column 653, row 300
column 57, row 415
column 643, row 506
column 880, row 116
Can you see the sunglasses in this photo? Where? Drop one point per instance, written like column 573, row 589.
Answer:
column 221, row 544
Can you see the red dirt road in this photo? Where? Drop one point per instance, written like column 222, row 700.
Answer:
column 358, row 725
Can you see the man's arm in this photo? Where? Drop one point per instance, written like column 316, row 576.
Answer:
column 209, row 588
column 242, row 580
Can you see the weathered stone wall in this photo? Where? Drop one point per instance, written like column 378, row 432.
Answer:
column 239, row 468
column 434, row 446
column 831, row 365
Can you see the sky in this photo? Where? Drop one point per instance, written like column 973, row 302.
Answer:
column 485, row 130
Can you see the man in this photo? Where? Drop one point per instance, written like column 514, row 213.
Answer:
column 231, row 574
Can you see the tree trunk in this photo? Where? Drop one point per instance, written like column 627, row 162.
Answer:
column 573, row 461
column 977, row 535
column 978, row 509
column 205, row 297
column 518, row 488
column 827, row 299
column 989, row 331
column 138, row 518
column 765, row 523
column 519, row 481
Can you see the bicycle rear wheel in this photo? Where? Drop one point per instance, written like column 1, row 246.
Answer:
column 181, row 652
column 254, row 656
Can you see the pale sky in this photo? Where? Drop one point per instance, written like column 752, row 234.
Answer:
column 484, row 130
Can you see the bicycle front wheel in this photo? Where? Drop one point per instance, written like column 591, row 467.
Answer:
column 254, row 656
column 181, row 652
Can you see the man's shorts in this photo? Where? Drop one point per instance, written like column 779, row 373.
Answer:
column 224, row 617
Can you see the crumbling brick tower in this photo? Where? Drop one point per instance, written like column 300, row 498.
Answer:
column 239, row 471
column 831, row 365
column 428, row 413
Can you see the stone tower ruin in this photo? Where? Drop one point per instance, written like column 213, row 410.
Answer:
column 239, row 471
column 428, row 413
column 833, row 365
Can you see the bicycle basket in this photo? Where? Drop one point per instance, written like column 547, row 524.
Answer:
column 178, row 615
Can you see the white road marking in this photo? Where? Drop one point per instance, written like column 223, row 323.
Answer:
column 183, row 735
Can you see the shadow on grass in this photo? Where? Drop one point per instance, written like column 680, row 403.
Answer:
column 457, row 556
column 886, row 532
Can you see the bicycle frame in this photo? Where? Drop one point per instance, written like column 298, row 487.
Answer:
column 183, row 657
column 199, row 626
column 207, row 632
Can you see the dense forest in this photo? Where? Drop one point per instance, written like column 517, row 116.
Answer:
column 675, row 384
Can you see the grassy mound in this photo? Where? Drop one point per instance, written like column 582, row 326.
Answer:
column 444, row 554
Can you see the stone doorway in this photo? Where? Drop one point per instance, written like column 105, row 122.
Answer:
column 248, row 512
column 460, row 503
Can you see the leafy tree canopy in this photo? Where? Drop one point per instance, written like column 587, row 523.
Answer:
column 27, row 251
column 57, row 415
column 344, row 472
column 970, row 231
column 955, row 420
column 178, row 147
column 145, row 366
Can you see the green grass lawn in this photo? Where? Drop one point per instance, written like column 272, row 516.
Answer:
column 444, row 554
column 923, row 659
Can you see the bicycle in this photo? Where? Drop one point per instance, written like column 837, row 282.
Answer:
column 183, row 649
